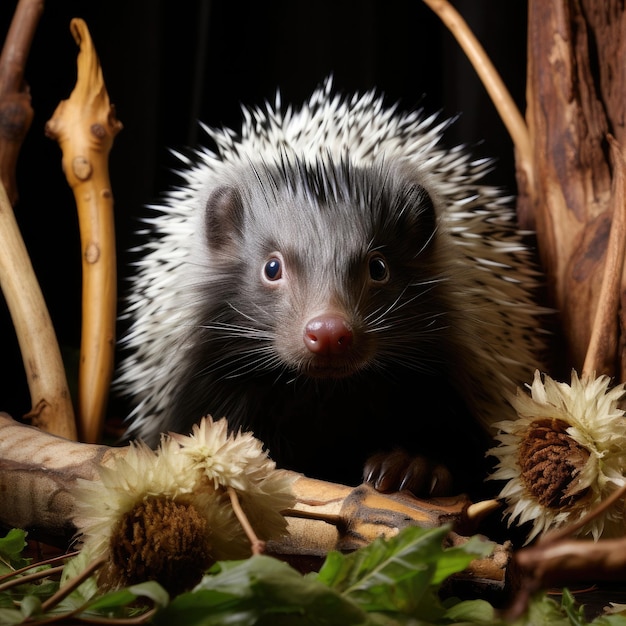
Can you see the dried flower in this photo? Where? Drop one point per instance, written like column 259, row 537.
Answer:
column 142, row 510
column 166, row 515
column 238, row 460
column 563, row 455
column 230, row 460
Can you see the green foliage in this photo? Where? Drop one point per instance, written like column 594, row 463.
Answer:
column 394, row 582
column 11, row 547
column 397, row 575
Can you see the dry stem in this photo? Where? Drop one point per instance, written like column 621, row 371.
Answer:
column 257, row 545
column 52, row 409
column 499, row 94
column 73, row 584
column 85, row 126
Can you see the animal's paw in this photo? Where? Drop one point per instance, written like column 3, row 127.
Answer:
column 397, row 470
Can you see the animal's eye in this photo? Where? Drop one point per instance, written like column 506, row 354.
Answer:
column 379, row 271
column 273, row 269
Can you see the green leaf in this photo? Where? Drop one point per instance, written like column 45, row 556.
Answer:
column 207, row 608
column 11, row 547
column 454, row 560
column 86, row 590
column 6, row 601
column 384, row 560
column 542, row 610
column 8, row 617
column 471, row 611
column 43, row 589
column 574, row 613
column 260, row 590
column 398, row 574
column 123, row 597
column 151, row 590
column 30, row 605
column 609, row 620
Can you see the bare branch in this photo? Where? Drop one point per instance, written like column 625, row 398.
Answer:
column 52, row 408
column 499, row 94
column 16, row 113
column 85, row 126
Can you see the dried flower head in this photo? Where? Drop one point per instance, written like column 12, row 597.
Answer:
column 238, row 460
column 165, row 515
column 227, row 459
column 563, row 455
column 145, row 519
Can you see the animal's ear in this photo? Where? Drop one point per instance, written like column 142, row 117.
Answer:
column 223, row 217
column 422, row 205
column 414, row 217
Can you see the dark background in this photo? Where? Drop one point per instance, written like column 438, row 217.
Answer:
column 168, row 64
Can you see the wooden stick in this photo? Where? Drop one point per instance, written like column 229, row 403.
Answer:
column 52, row 408
column 72, row 585
column 257, row 545
column 85, row 126
column 499, row 94
column 16, row 113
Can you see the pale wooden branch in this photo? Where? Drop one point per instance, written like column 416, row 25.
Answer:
column 85, row 126
column 38, row 472
column 499, row 94
column 52, row 408
column 257, row 545
column 16, row 113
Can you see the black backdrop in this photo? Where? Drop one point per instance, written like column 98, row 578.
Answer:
column 167, row 64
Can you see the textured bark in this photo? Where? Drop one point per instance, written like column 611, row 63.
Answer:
column 575, row 89
column 16, row 113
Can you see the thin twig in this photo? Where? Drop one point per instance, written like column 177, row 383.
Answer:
column 567, row 531
column 121, row 621
column 52, row 408
column 22, row 570
column 77, row 617
column 73, row 584
column 499, row 94
column 257, row 545
column 29, row 578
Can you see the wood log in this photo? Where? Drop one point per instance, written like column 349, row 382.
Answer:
column 38, row 471
column 575, row 81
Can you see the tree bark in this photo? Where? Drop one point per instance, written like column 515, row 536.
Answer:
column 575, row 97
column 16, row 113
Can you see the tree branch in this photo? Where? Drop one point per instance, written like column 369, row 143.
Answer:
column 16, row 113
column 85, row 126
column 52, row 408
